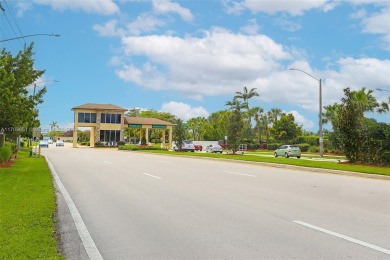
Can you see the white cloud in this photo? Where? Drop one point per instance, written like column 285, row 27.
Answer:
column 287, row 24
column 104, row 7
column 184, row 111
column 251, row 28
column 271, row 7
column 108, row 29
column 216, row 64
column 166, row 6
column 144, row 23
column 376, row 22
column 301, row 120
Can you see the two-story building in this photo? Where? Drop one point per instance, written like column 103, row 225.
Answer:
column 107, row 123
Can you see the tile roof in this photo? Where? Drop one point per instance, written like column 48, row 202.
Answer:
column 145, row 121
column 100, row 107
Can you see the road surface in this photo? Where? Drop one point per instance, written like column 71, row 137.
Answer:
column 145, row 206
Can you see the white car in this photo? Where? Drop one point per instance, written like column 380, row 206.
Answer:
column 43, row 143
column 187, row 146
column 214, row 148
column 60, row 143
column 49, row 141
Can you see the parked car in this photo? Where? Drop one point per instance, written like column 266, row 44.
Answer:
column 60, row 143
column 214, row 148
column 49, row 141
column 198, row 147
column 288, row 151
column 43, row 143
column 187, row 146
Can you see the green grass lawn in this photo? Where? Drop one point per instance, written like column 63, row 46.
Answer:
column 27, row 206
column 290, row 161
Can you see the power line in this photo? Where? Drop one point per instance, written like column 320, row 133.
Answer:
column 6, row 17
column 10, row 7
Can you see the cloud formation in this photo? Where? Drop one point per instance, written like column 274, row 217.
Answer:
column 184, row 111
column 104, row 7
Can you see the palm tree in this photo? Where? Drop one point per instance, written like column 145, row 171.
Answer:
column 235, row 104
column 245, row 96
column 366, row 101
column 53, row 125
column 264, row 121
column 257, row 112
column 274, row 114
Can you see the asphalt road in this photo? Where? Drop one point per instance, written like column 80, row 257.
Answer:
column 144, row 206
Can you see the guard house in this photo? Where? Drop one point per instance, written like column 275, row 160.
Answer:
column 107, row 123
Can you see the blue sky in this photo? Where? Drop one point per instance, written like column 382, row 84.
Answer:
column 189, row 57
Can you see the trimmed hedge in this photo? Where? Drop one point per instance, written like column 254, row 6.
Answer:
column 138, row 148
column 303, row 147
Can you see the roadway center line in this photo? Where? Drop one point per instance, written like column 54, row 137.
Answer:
column 152, row 175
column 88, row 243
column 108, row 162
column 242, row 174
column 350, row 239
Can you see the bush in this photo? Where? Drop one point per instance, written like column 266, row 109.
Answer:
column 253, row 146
column 386, row 157
column 273, row 146
column 314, row 149
column 263, row 146
column 5, row 154
column 303, row 147
column 137, row 148
column 121, row 143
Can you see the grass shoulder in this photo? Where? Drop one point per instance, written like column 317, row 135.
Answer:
column 288, row 161
column 27, row 206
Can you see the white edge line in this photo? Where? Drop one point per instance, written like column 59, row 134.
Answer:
column 242, row 174
column 85, row 236
column 152, row 176
column 353, row 240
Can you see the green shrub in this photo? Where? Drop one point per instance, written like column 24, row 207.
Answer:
column 273, row 146
column 254, row 146
column 314, row 149
column 121, row 143
column 386, row 157
column 5, row 154
column 137, row 148
column 303, row 147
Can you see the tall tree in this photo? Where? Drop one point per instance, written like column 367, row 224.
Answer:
column 245, row 96
column 53, row 125
column 235, row 125
column 179, row 134
column 285, row 129
column 274, row 114
column 17, row 106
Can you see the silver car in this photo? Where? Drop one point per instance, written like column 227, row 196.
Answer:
column 214, row 148
column 288, row 151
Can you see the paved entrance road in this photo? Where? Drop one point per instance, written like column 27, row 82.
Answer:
column 143, row 206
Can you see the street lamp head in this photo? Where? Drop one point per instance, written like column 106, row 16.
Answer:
column 55, row 35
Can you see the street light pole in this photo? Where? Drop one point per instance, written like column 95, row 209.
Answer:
column 321, row 141
column 383, row 89
column 31, row 35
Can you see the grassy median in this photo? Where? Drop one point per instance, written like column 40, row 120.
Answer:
column 290, row 161
column 27, row 207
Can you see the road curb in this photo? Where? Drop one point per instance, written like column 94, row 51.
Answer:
column 277, row 165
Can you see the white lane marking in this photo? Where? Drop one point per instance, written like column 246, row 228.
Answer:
column 108, row 162
column 152, row 176
column 86, row 238
column 350, row 239
column 242, row 174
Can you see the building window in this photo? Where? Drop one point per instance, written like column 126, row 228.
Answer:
column 87, row 117
column 110, row 136
column 111, row 118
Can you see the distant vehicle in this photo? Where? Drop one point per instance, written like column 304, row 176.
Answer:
column 60, row 143
column 49, row 141
column 198, row 147
column 187, row 146
column 43, row 143
column 214, row 148
column 288, row 151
